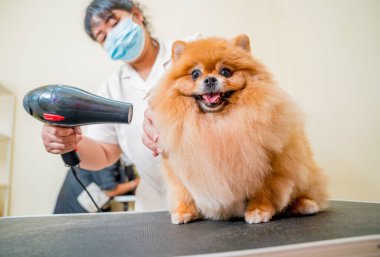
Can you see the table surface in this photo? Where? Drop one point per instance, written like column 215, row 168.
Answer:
column 152, row 234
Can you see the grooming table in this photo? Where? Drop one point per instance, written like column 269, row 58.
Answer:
column 344, row 228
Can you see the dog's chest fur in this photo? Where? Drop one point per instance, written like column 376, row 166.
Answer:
column 221, row 164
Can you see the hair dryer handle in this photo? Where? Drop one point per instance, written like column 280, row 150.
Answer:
column 71, row 158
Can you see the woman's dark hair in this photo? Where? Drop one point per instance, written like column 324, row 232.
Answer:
column 102, row 9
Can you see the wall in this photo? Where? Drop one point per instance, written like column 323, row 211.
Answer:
column 324, row 53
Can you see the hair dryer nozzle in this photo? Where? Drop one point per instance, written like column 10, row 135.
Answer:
column 68, row 106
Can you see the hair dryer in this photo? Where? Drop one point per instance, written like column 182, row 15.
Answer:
column 68, row 106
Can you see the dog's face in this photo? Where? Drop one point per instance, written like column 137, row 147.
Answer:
column 212, row 71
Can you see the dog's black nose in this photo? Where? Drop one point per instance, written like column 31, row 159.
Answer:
column 210, row 81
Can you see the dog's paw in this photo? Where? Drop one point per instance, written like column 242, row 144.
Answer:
column 257, row 216
column 304, row 206
column 183, row 217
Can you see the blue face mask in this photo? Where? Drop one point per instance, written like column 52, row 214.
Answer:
column 125, row 41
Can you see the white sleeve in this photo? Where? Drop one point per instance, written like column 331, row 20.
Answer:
column 103, row 132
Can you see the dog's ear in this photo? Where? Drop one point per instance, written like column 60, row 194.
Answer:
column 243, row 42
column 177, row 49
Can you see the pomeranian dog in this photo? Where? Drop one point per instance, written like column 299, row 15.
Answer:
column 233, row 142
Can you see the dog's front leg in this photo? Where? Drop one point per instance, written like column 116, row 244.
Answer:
column 260, row 208
column 181, row 204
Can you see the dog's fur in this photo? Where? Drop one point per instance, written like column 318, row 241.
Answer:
column 248, row 157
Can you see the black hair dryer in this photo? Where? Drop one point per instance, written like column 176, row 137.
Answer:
column 67, row 106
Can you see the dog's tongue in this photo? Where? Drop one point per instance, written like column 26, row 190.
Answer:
column 211, row 98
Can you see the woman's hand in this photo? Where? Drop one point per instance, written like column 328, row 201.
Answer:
column 150, row 136
column 59, row 140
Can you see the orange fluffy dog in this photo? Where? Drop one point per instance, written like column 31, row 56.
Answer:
column 234, row 143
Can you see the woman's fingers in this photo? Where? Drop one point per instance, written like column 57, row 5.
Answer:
column 58, row 131
column 58, row 148
column 78, row 130
column 151, row 145
column 150, row 136
column 149, row 128
column 60, row 140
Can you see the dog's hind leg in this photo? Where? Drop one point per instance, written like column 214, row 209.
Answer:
column 303, row 206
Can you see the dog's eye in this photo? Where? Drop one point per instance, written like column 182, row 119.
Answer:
column 226, row 72
column 196, row 74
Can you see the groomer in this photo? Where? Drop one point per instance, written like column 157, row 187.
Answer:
column 121, row 28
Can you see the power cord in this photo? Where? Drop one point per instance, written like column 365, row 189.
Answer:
column 72, row 160
column 84, row 187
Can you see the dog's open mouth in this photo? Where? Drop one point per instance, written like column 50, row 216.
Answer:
column 214, row 101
